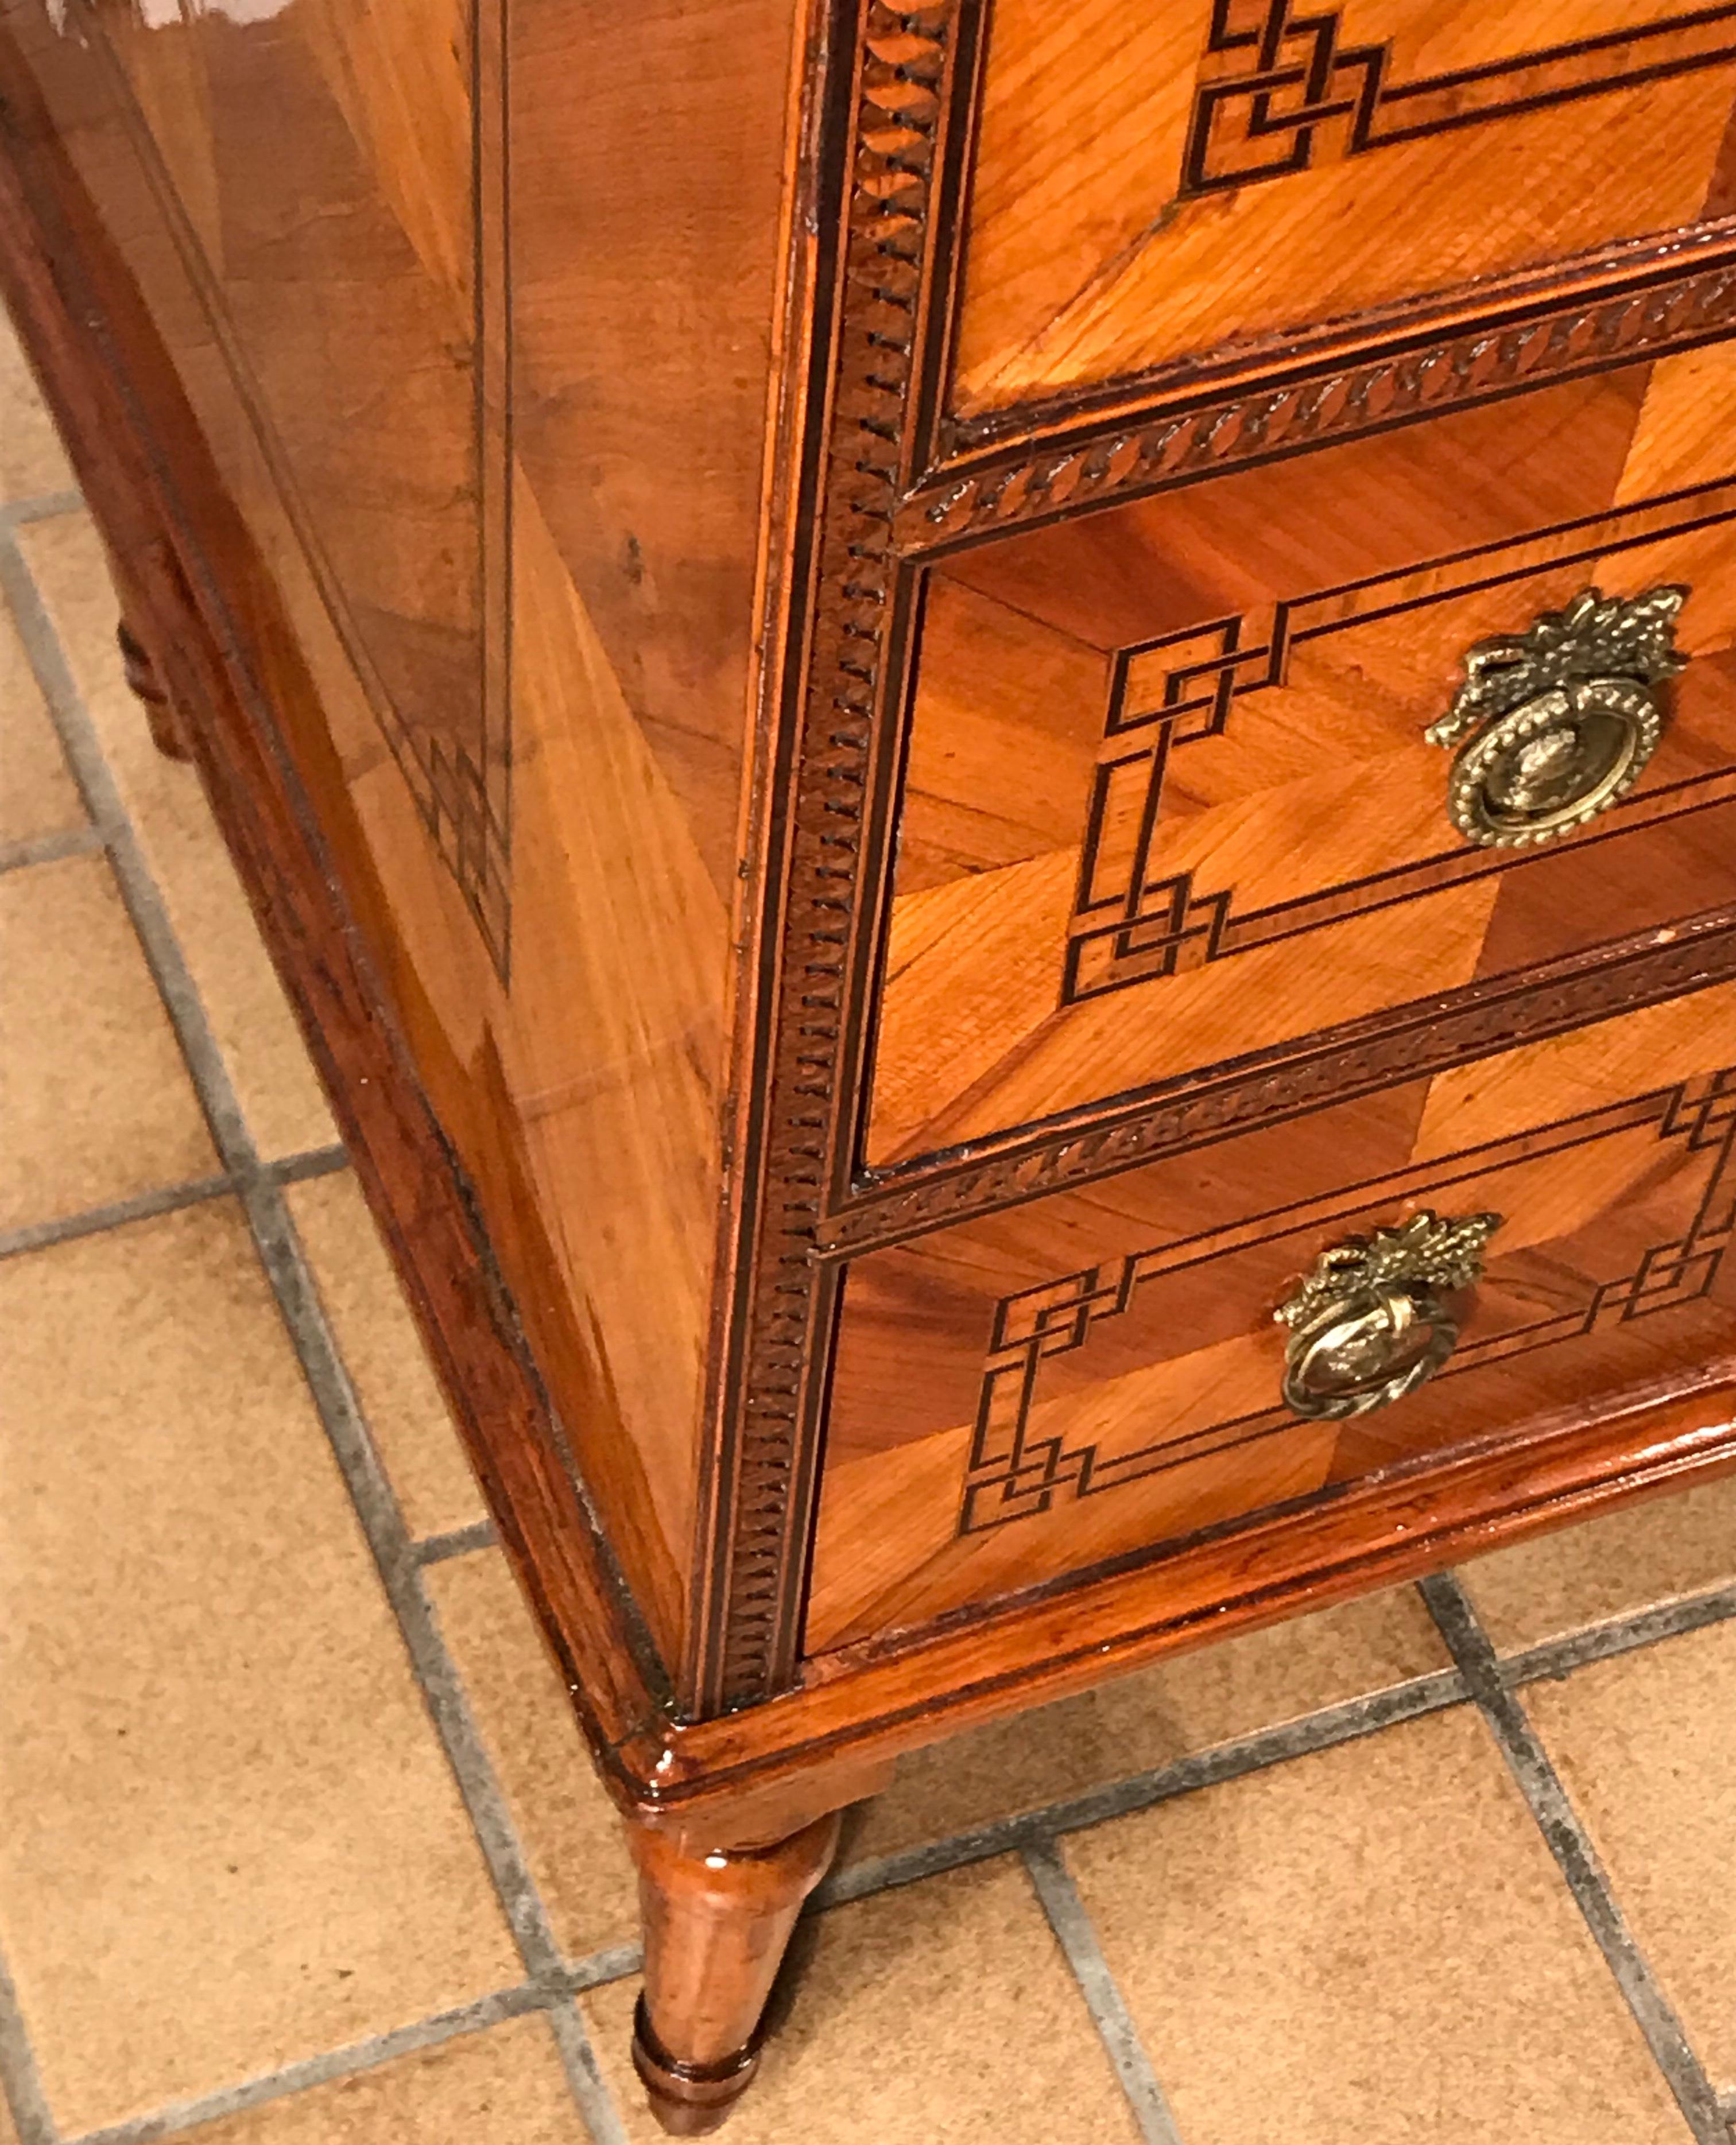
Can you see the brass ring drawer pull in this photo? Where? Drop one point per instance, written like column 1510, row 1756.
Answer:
column 1371, row 1321
column 1554, row 727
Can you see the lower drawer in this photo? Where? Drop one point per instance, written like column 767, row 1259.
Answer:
column 1033, row 1393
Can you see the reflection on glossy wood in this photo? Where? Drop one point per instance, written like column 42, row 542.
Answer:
column 326, row 272
column 1168, row 797
column 716, row 1924
column 1045, row 1389
column 1109, row 233
column 432, row 438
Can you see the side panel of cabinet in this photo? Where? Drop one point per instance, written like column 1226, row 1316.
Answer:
column 476, row 311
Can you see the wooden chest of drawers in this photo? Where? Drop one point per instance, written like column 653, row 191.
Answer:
column 994, row 748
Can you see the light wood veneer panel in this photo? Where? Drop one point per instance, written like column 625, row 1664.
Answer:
column 1305, row 620
column 1092, row 254
column 519, row 558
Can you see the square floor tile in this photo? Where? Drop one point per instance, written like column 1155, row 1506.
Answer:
column 941, row 2014
column 504, row 2087
column 1628, row 1559
column 400, row 1396
column 273, row 1078
column 572, row 1836
column 1198, row 1699
column 97, row 1102
column 32, row 461
column 1646, row 1747
column 1372, row 1943
column 232, row 1837
column 37, row 795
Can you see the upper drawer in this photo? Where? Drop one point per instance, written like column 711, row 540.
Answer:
column 1167, row 798
column 1152, row 183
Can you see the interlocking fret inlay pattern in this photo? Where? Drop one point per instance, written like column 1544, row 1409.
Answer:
column 1369, row 1056
column 875, row 513
column 1165, row 695
column 1283, row 86
column 447, row 722
column 1015, row 1475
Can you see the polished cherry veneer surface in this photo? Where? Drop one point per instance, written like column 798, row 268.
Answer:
column 815, row 625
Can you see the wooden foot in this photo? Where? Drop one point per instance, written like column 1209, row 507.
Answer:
column 716, row 1924
column 165, row 731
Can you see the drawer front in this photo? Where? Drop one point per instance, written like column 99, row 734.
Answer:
column 1166, row 797
column 1154, row 183
column 1100, row 1372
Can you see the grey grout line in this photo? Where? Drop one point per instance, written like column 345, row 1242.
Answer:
column 142, row 1207
column 614, row 1962
column 458, row 1541
column 20, row 2079
column 139, row 893
column 18, row 513
column 429, row 2032
column 1074, row 1932
column 586, row 2080
column 312, row 1162
column 383, row 1523
column 49, row 848
column 280, row 1253
column 553, row 1998
column 1032, row 1835
column 1569, row 1842
column 165, row 1199
column 1603, row 1642
column 1324, row 1730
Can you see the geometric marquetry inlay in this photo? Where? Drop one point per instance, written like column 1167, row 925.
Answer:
column 394, row 470
column 1133, row 920
column 1282, row 86
column 1015, row 1472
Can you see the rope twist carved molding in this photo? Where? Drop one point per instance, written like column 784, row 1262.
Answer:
column 1524, row 1013
column 1468, row 367
column 901, row 102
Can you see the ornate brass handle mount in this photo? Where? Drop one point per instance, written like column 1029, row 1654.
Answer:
column 1375, row 1318
column 1554, row 727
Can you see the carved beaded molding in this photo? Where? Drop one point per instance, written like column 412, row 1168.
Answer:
column 1468, row 367
column 901, row 106
column 873, row 514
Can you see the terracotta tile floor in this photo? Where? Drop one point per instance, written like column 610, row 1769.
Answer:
column 299, row 1847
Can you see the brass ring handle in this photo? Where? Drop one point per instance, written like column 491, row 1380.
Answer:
column 1371, row 1321
column 1556, row 726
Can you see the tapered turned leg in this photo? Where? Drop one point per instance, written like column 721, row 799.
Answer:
column 165, row 731
column 715, row 1928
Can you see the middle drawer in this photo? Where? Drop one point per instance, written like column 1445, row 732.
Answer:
column 1167, row 799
